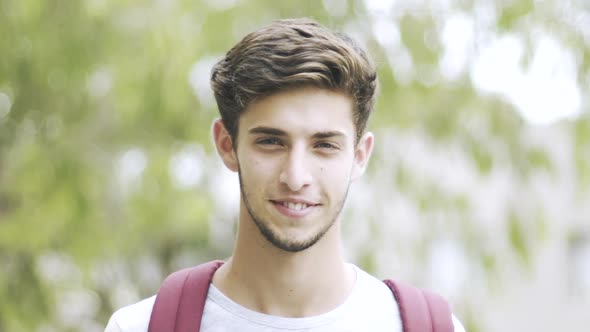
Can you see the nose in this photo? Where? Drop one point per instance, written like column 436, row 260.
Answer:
column 296, row 170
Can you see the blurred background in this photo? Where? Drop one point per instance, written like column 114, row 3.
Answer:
column 479, row 187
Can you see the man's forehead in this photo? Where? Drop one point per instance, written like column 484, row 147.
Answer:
column 301, row 99
column 301, row 110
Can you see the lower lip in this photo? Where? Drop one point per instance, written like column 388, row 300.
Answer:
column 293, row 213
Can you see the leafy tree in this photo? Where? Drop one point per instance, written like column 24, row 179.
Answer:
column 108, row 180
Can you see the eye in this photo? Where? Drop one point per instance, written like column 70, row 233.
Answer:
column 269, row 141
column 326, row 146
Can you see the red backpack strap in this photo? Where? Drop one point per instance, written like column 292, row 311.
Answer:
column 181, row 299
column 421, row 310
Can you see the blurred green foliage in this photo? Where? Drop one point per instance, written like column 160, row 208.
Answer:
column 89, row 87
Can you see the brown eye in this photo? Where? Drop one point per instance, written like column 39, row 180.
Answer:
column 325, row 145
column 269, row 141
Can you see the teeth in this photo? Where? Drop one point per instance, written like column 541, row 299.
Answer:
column 295, row 206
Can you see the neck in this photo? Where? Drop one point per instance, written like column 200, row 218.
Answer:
column 266, row 279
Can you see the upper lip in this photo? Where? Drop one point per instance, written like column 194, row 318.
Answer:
column 295, row 201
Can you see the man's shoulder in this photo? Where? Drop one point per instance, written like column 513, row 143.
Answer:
column 374, row 290
column 132, row 318
column 379, row 288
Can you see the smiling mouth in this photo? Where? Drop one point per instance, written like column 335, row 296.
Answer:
column 295, row 206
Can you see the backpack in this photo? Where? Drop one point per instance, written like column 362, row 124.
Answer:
column 181, row 299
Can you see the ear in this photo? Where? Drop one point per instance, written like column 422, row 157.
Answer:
column 224, row 145
column 362, row 154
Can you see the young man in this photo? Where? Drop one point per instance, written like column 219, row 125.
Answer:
column 294, row 99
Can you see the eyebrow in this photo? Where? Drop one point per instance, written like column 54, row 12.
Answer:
column 267, row 131
column 328, row 134
column 278, row 132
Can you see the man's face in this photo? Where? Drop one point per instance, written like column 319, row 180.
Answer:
column 296, row 156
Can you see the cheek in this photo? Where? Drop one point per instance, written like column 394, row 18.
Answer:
column 256, row 168
column 334, row 177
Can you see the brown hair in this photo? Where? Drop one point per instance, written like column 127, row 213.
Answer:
column 289, row 54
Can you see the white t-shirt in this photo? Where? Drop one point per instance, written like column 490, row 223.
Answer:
column 369, row 307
